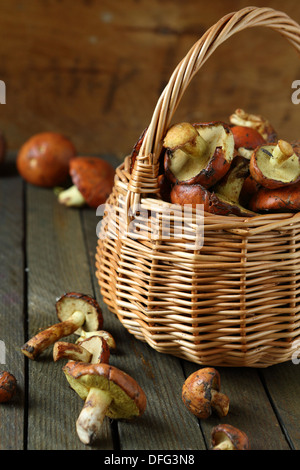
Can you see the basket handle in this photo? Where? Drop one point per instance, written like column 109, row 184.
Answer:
column 144, row 174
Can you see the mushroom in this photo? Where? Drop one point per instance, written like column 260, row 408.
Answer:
column 43, row 160
column 76, row 312
column 246, row 139
column 198, row 153
column 164, row 187
column 103, row 334
column 232, row 183
column 201, row 394
column 285, row 199
column 107, row 391
column 93, row 349
column 213, row 203
column 8, row 386
column 260, row 123
column 274, row 166
column 93, row 180
column 227, row 437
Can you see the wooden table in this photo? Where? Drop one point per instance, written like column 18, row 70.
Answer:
column 47, row 249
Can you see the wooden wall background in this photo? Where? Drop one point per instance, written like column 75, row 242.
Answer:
column 94, row 69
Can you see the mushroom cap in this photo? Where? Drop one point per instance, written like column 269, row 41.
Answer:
column 197, row 391
column 43, row 160
column 286, row 199
column 246, row 137
column 128, row 398
column 71, row 302
column 273, row 176
column 213, row 203
column 255, row 121
column 98, row 347
column 235, row 437
column 94, row 178
column 211, row 165
column 231, row 184
column 8, row 385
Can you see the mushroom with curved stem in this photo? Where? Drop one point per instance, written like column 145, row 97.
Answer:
column 227, row 437
column 198, row 153
column 201, row 394
column 76, row 312
column 274, row 166
column 107, row 391
column 93, row 180
column 93, row 350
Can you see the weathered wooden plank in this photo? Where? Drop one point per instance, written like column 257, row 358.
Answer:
column 11, row 302
column 283, row 384
column 57, row 263
column 166, row 423
column 250, row 409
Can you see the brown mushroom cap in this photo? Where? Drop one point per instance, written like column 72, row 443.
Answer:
column 72, row 302
column 274, row 166
column 213, row 203
column 201, row 393
column 103, row 334
column 94, row 178
column 247, row 137
column 204, row 155
column 8, row 385
column 286, row 199
column 44, row 159
column 227, row 437
column 107, row 391
column 93, row 350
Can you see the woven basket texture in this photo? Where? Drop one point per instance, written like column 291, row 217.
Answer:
column 224, row 296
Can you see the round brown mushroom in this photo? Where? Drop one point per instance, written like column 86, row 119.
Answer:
column 8, row 386
column 93, row 180
column 93, row 350
column 255, row 121
column 246, row 137
column 227, row 437
column 44, row 159
column 201, row 394
column 107, row 391
column 274, row 166
column 195, row 194
column 285, row 200
column 198, row 153
column 76, row 312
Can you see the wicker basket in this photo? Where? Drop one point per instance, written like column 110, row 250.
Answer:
column 235, row 300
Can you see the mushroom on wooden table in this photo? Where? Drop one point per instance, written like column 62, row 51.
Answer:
column 93, row 180
column 107, row 391
column 76, row 312
column 228, row 437
column 8, row 385
column 201, row 394
column 93, row 350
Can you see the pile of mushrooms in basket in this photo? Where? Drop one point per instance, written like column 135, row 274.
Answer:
column 240, row 168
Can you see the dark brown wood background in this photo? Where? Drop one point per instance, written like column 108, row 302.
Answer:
column 94, row 69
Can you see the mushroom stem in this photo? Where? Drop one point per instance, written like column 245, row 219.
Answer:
column 45, row 338
column 219, row 402
column 71, row 197
column 89, row 422
column 185, row 137
column 282, row 152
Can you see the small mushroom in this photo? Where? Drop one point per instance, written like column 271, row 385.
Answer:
column 274, row 166
column 279, row 200
column 44, row 159
column 213, row 203
column 93, row 180
column 8, row 386
column 76, row 312
column 201, row 394
column 93, row 350
column 246, row 137
column 255, row 121
column 198, row 153
column 107, row 391
column 227, row 437
column 103, row 334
